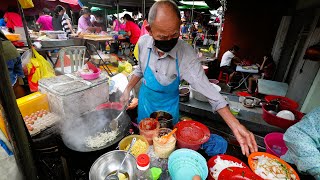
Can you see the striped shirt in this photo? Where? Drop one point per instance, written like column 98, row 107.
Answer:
column 65, row 26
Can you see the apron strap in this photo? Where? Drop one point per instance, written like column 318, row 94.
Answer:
column 148, row 61
column 177, row 65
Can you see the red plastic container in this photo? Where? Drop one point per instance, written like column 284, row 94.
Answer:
column 245, row 94
column 191, row 134
column 275, row 144
column 278, row 121
column 211, row 162
column 284, row 101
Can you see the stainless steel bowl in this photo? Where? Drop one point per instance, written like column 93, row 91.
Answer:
column 110, row 162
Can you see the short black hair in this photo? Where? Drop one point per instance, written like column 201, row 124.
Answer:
column 235, row 48
column 128, row 17
column 57, row 9
column 46, row 11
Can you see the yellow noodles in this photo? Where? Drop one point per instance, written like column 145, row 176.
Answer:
column 138, row 148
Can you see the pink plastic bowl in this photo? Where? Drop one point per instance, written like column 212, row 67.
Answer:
column 275, row 144
column 90, row 76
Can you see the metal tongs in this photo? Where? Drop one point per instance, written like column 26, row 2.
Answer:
column 115, row 122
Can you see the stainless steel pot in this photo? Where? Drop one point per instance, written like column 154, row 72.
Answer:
column 184, row 93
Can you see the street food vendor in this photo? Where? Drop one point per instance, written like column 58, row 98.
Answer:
column 84, row 23
column 164, row 60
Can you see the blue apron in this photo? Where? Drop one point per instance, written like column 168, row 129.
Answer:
column 155, row 97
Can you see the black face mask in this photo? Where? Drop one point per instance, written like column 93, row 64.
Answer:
column 166, row 45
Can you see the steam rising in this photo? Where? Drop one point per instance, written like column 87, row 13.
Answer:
column 75, row 131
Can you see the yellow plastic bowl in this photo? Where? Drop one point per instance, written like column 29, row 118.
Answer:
column 127, row 140
column 13, row 37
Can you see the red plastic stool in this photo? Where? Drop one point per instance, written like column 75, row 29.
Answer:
column 220, row 78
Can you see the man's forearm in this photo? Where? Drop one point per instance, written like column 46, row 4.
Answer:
column 228, row 117
column 133, row 81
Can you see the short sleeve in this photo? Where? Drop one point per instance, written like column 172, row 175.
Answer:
column 39, row 20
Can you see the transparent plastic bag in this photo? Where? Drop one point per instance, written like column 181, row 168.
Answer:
column 26, row 57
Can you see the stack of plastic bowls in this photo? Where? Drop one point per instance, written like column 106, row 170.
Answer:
column 186, row 163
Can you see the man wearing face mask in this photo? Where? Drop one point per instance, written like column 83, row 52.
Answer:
column 163, row 61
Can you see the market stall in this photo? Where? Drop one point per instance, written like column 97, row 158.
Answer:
column 79, row 130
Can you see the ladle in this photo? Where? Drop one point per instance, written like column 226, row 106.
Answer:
column 164, row 139
column 115, row 175
column 114, row 122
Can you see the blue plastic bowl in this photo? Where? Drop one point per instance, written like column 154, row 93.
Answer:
column 183, row 164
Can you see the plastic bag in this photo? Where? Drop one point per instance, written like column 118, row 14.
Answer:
column 25, row 4
column 136, row 51
column 26, row 57
column 38, row 68
column 8, row 165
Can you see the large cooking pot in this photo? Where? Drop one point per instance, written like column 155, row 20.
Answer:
column 75, row 131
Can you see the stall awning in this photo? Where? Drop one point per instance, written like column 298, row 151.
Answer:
column 194, row 7
column 211, row 4
column 72, row 2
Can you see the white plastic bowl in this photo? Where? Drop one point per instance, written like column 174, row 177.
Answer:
column 285, row 114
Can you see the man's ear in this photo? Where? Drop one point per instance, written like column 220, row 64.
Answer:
column 148, row 28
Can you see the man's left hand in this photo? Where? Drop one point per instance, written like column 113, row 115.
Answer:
column 246, row 139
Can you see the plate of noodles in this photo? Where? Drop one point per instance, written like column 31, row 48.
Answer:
column 268, row 166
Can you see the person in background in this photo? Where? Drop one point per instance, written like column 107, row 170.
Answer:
column 2, row 22
column 229, row 62
column 99, row 22
column 84, row 23
column 93, row 18
column 12, row 19
column 61, row 20
column 57, row 18
column 45, row 20
column 164, row 60
column 183, row 27
column 266, row 71
column 132, row 29
column 140, row 22
column 303, row 142
column 66, row 23
column 13, row 59
column 117, row 25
